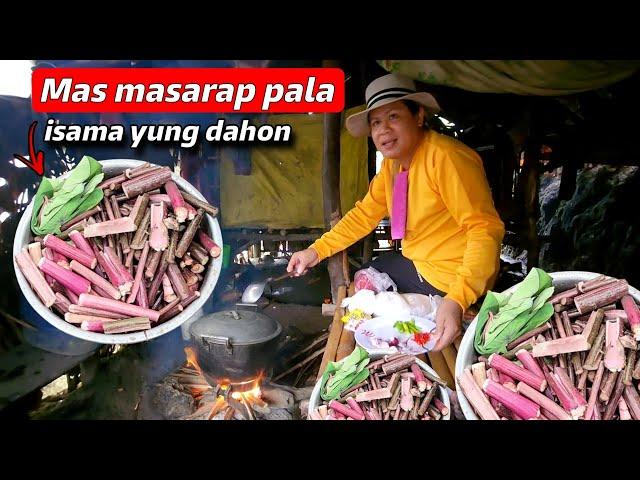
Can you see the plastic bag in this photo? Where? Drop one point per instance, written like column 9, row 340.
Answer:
column 363, row 300
column 365, row 304
column 394, row 303
column 422, row 305
column 372, row 279
column 390, row 304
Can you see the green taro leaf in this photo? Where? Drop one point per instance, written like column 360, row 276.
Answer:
column 68, row 197
column 513, row 315
column 342, row 375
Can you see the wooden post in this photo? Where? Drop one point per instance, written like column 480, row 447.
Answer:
column 569, row 176
column 331, row 189
column 530, row 184
column 508, row 159
column 369, row 240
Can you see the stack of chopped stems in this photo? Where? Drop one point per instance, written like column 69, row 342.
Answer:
column 135, row 260
column 582, row 364
column 397, row 388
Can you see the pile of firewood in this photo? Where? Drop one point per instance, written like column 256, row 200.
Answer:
column 212, row 403
column 398, row 388
column 579, row 365
column 304, row 366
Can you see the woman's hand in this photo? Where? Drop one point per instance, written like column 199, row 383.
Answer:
column 303, row 260
column 448, row 323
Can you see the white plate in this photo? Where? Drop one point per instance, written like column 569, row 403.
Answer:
column 382, row 327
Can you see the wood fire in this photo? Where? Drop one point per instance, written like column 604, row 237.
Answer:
column 243, row 398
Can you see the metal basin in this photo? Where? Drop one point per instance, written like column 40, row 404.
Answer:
column 467, row 354
column 24, row 236
column 315, row 400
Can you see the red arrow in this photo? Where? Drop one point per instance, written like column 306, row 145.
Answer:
column 36, row 160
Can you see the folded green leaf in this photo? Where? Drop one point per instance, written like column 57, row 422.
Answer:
column 542, row 298
column 92, row 184
column 88, row 202
column 58, row 210
column 46, row 189
column 68, row 197
column 501, row 298
column 489, row 306
column 81, row 173
column 342, row 375
column 60, row 200
column 509, row 332
column 505, row 317
column 542, row 315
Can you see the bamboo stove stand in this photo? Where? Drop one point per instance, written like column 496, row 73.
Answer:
column 338, row 341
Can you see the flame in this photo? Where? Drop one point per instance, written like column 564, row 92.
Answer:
column 248, row 393
column 192, row 358
column 253, row 392
column 256, row 392
column 226, row 384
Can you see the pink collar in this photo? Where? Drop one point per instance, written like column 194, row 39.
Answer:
column 399, row 205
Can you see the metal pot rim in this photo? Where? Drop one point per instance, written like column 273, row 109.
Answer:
column 216, row 326
column 198, row 338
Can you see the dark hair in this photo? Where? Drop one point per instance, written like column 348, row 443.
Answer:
column 414, row 108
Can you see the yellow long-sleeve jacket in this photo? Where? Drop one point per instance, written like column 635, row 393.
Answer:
column 453, row 232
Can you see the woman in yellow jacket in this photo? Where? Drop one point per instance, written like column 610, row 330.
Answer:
column 436, row 192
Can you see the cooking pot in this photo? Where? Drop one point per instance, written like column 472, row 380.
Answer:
column 235, row 346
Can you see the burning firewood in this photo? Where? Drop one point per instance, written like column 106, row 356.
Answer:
column 252, row 400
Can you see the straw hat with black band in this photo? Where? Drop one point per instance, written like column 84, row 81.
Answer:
column 388, row 89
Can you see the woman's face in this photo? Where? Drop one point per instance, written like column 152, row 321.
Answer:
column 395, row 131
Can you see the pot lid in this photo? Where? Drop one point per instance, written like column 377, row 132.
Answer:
column 241, row 327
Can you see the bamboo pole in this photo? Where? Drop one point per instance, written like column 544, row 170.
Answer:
column 331, row 191
column 346, row 345
column 439, row 364
column 334, row 334
column 449, row 353
column 347, row 340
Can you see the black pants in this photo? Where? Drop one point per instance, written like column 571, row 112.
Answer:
column 404, row 273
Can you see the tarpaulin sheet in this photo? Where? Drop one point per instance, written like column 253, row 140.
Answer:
column 284, row 189
column 522, row 77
